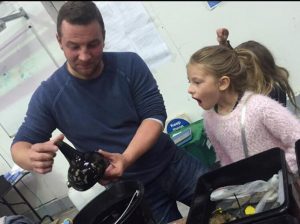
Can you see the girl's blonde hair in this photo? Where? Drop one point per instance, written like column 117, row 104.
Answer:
column 243, row 68
column 240, row 65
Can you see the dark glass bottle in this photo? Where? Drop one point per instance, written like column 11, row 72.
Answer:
column 86, row 168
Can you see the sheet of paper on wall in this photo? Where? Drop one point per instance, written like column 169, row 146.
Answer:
column 130, row 28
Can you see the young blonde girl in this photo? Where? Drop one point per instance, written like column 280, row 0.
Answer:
column 224, row 81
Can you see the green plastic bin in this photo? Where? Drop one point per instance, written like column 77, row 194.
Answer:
column 199, row 145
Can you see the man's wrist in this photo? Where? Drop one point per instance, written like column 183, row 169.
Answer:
column 127, row 159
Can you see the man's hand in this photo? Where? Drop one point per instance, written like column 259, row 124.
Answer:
column 41, row 155
column 117, row 166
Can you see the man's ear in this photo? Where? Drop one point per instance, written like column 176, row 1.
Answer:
column 58, row 38
column 224, row 83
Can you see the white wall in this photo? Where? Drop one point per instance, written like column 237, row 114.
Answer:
column 186, row 27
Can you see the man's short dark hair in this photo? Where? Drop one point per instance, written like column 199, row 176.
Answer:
column 79, row 13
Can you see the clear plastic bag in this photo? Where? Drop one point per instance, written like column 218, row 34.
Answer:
column 247, row 189
column 257, row 192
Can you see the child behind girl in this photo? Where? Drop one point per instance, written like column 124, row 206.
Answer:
column 238, row 120
column 275, row 77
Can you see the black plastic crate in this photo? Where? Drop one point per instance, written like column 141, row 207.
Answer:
column 281, row 219
column 297, row 150
column 261, row 166
column 122, row 202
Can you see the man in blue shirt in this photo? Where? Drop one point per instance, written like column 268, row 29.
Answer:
column 110, row 102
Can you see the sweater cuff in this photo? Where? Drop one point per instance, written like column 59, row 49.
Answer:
column 157, row 120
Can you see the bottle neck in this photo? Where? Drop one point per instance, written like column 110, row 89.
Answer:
column 68, row 151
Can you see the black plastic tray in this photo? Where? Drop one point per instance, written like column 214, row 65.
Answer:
column 261, row 166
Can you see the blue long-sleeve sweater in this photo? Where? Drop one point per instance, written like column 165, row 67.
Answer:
column 103, row 113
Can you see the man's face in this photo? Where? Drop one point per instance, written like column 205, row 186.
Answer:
column 83, row 47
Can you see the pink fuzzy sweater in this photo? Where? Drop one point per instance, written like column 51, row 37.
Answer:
column 267, row 125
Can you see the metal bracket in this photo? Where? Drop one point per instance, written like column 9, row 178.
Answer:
column 5, row 19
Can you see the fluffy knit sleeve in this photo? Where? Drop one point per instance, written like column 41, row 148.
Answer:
column 283, row 125
column 209, row 126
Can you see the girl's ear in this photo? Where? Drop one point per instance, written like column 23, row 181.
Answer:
column 224, row 83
